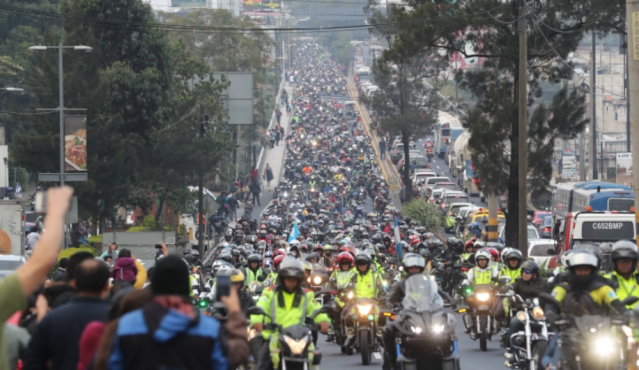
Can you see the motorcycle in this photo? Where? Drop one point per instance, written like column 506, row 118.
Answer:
column 365, row 335
column 481, row 316
column 293, row 352
column 529, row 346
column 426, row 333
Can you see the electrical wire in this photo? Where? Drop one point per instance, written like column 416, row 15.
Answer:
column 176, row 123
column 25, row 113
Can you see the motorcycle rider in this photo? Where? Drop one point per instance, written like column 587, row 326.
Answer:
column 481, row 274
column 528, row 286
column 414, row 264
column 253, row 272
column 470, row 250
column 272, row 276
column 289, row 304
column 512, row 262
column 326, row 259
column 340, row 279
column 625, row 278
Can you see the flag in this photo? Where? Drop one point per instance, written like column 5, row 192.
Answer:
column 295, row 232
column 18, row 190
column 398, row 245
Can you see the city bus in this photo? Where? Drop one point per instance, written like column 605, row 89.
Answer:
column 447, row 129
column 597, row 195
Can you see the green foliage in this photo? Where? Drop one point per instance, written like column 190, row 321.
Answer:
column 66, row 253
column 150, row 223
column 136, row 229
column 95, row 239
column 21, row 176
column 341, row 48
column 425, row 214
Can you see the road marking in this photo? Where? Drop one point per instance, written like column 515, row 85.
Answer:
column 377, row 355
column 437, row 167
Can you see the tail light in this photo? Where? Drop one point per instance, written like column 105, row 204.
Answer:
column 443, row 206
column 546, row 229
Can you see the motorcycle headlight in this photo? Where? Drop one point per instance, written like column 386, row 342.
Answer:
column 604, row 345
column 317, row 280
column 483, row 297
column 364, row 309
column 196, row 276
column 385, row 282
column 438, row 329
column 521, row 316
column 296, row 346
column 350, row 295
column 416, row 329
column 538, row 313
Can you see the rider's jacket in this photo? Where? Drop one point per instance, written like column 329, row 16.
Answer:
column 511, row 273
column 529, row 289
column 625, row 288
column 379, row 268
column 312, row 183
column 287, row 308
column 251, row 276
column 479, row 276
column 340, row 280
column 368, row 284
column 465, row 256
column 590, row 299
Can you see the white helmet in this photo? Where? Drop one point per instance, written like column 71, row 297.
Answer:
column 504, row 252
column 481, row 254
column 564, row 258
column 295, row 242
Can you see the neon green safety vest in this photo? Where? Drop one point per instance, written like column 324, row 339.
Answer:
column 482, row 277
column 625, row 288
column 366, row 286
column 513, row 274
column 252, row 276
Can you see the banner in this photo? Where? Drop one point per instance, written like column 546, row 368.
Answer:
column 252, row 6
column 624, row 169
column 271, row 6
column 75, row 143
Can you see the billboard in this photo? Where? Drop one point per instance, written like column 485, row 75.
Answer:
column 624, row 169
column 261, row 7
column 75, row 143
column 251, row 6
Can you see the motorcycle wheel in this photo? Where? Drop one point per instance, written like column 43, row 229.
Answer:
column 343, row 349
column 450, row 365
column 483, row 337
column 365, row 349
column 538, row 351
column 349, row 351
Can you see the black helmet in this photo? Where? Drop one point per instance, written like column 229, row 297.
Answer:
column 451, row 242
column 291, row 268
column 532, row 266
column 414, row 260
column 363, row 258
column 254, row 258
column 226, row 257
column 513, row 254
column 313, row 255
column 425, row 253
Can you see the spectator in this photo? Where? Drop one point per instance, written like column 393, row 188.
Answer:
column 61, row 272
column 220, row 200
column 277, row 137
column 112, row 251
column 271, row 138
column 255, row 190
column 268, row 175
column 109, row 261
column 155, row 336
column 282, row 133
column 55, row 342
column 233, row 203
column 124, row 268
column 278, row 116
column 83, row 234
column 253, row 173
column 33, row 238
column 17, row 341
column 382, row 149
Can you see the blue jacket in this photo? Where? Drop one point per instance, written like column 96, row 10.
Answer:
column 158, row 338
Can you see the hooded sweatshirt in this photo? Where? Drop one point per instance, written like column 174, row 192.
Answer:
column 124, row 269
column 156, row 337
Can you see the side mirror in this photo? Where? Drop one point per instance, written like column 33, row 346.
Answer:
column 551, row 252
column 504, row 280
column 630, row 300
column 529, row 218
column 256, row 310
column 458, row 219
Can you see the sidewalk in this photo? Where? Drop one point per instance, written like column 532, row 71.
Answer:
column 275, row 157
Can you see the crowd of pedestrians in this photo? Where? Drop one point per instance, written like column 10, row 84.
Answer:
column 90, row 315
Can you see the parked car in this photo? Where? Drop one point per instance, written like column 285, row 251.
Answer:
column 9, row 264
column 545, row 227
column 538, row 250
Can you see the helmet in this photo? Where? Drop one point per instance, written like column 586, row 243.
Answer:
column 195, row 252
column 276, row 262
column 294, row 243
column 425, row 253
column 583, row 257
column 564, row 258
column 494, row 253
column 513, row 254
column 279, row 252
column 624, row 249
column 216, row 265
column 318, row 248
column 237, row 277
column 226, row 257
column 254, row 258
column 594, row 249
column 225, row 269
column 328, row 248
column 345, row 257
column 532, row 266
column 291, row 268
column 479, row 244
column 468, row 244
column 414, row 260
column 363, row 258
column 482, row 254
column 414, row 239
column 307, row 265
column 371, row 252
column 314, row 256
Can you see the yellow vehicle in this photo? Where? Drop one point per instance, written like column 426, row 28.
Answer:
column 481, row 217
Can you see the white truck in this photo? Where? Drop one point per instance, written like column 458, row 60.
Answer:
column 12, row 227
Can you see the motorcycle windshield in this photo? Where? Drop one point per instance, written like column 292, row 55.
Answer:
column 343, row 279
column 421, row 294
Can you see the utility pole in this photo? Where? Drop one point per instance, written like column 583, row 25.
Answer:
column 632, row 11
column 582, row 156
column 523, row 130
column 626, row 94
column 200, row 191
column 593, row 105
column 493, row 236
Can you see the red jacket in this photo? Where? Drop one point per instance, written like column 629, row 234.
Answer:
column 89, row 343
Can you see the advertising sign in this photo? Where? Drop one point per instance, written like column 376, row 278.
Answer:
column 624, row 169
column 252, row 6
column 262, row 7
column 75, row 143
column 271, row 6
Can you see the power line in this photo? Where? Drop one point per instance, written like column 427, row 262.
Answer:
column 25, row 113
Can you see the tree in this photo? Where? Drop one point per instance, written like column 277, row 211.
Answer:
column 555, row 29
column 425, row 214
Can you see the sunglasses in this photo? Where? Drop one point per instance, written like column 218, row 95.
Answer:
column 526, row 272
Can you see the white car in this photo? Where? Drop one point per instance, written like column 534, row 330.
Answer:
column 538, row 250
column 533, row 234
column 9, row 264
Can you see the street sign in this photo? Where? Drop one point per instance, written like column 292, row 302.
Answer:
column 55, row 177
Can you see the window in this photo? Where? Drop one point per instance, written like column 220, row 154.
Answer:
column 541, row 250
column 445, row 132
column 10, row 265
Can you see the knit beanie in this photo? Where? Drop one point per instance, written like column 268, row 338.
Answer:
column 171, row 277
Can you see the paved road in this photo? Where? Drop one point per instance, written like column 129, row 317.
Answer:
column 472, row 358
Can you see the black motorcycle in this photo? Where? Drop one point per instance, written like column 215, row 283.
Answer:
column 426, row 332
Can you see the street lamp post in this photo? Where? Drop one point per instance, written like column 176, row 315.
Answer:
column 2, row 128
column 60, row 48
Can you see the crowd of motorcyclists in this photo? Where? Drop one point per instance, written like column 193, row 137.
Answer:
column 375, row 281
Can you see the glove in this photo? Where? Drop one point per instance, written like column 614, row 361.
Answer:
column 551, row 317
